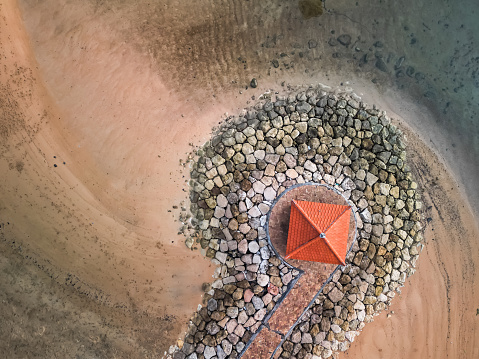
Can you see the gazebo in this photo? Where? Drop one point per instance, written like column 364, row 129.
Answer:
column 318, row 232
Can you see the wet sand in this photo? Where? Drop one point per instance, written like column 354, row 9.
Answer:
column 119, row 92
column 436, row 313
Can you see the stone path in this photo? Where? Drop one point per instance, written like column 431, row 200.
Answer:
column 309, row 284
column 284, row 318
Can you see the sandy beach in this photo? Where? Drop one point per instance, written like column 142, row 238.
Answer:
column 101, row 102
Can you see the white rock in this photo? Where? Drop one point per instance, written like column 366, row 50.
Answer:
column 335, row 295
column 243, row 246
column 262, row 279
column 242, row 207
column 289, row 160
column 329, row 179
column 221, row 256
column 361, row 174
column 220, row 353
column 382, row 297
column 259, row 154
column 209, row 352
column 280, row 177
column 259, row 315
column 214, row 222
column 371, row 179
column 366, row 216
column 327, row 353
column 250, row 158
column 269, row 194
column 348, row 184
column 247, row 149
column 218, row 182
column 310, row 166
column 384, row 188
column 264, row 208
column 335, row 328
column 219, row 212
column 240, row 346
column 221, row 201
column 351, row 335
column 253, row 246
column 265, row 252
column 227, row 234
column 291, row 173
column 244, row 228
column 217, row 284
column 359, row 305
column 267, row 180
column 249, row 204
column 395, row 274
column 227, row 346
column 257, row 258
column 361, row 315
column 257, row 302
column 254, row 212
column 259, row 187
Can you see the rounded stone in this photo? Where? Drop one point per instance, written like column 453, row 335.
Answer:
column 262, row 279
column 291, row 173
column 253, row 247
column 269, row 194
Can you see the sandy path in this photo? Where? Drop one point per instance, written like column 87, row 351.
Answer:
column 118, row 91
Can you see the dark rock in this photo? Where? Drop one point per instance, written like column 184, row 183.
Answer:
column 332, row 42
column 303, row 107
column 344, row 39
column 381, row 65
column 212, row 328
column 410, row 71
column 179, row 355
column 232, row 198
column 419, row 76
column 312, row 44
column 212, row 305
column 245, row 185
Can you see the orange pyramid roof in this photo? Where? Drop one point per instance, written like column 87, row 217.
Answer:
column 318, row 232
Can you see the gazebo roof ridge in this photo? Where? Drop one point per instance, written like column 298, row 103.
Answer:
column 320, row 238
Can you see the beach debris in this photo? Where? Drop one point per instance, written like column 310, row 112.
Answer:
column 399, row 63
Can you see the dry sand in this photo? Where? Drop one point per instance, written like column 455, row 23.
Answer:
column 100, row 221
column 91, row 260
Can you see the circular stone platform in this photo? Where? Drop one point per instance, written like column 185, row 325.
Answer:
column 263, row 156
column 278, row 220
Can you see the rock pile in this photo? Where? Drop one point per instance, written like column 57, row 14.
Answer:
column 308, row 137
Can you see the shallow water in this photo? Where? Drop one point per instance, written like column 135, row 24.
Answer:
column 426, row 50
